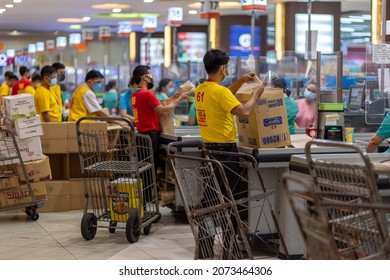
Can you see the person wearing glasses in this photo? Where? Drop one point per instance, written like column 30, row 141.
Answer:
column 84, row 102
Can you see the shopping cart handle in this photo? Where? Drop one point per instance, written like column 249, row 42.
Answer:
column 179, row 145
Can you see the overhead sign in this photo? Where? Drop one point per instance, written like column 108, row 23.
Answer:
column 61, row 42
column 87, row 36
column 11, row 52
column 40, row 46
column 149, row 24
column 32, row 48
column 124, row 28
column 251, row 5
column 50, row 45
column 3, row 59
column 175, row 16
column 104, row 33
column 209, row 9
column 74, row 39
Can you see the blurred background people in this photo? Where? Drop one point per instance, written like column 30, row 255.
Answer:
column 35, row 82
column 307, row 110
column 24, row 81
column 381, row 134
column 125, row 109
column 165, row 89
column 110, row 97
column 60, row 69
column 9, row 79
column 291, row 105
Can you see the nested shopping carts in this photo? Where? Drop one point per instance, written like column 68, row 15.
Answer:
column 119, row 177
column 14, row 195
column 217, row 199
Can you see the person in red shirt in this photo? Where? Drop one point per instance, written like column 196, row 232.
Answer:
column 147, row 108
column 24, row 81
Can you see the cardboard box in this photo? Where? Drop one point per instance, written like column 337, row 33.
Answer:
column 21, row 195
column 123, row 194
column 57, row 188
column 38, row 170
column 27, row 122
column 77, row 197
column 59, row 165
column 19, row 106
column 74, row 166
column 30, row 149
column 55, row 204
column 54, row 138
column 9, row 182
column 29, row 132
column 90, row 127
column 267, row 126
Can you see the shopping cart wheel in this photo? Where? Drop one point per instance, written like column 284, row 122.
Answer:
column 88, row 226
column 147, row 229
column 132, row 229
column 32, row 212
column 112, row 226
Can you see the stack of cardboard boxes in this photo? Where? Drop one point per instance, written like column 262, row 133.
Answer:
column 20, row 118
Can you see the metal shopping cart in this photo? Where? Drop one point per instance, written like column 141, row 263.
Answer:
column 119, row 177
column 14, row 195
column 250, row 196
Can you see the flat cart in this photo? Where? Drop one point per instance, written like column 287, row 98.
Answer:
column 250, row 194
column 209, row 205
column 119, row 177
column 13, row 194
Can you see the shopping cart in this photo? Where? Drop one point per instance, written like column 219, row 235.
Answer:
column 13, row 195
column 119, row 177
column 250, row 195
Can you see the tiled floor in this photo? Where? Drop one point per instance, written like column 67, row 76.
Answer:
column 56, row 236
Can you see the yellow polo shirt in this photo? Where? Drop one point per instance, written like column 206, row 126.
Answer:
column 214, row 104
column 29, row 90
column 58, row 94
column 4, row 90
column 45, row 101
column 77, row 108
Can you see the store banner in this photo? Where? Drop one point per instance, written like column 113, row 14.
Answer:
column 61, row 42
column 149, row 24
column 74, row 39
column 209, row 9
column 124, row 28
column 175, row 16
column 50, row 45
column 253, row 5
column 87, row 36
column 104, row 33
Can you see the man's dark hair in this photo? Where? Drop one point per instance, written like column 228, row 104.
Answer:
column 163, row 83
column 7, row 74
column 12, row 77
column 35, row 77
column 139, row 71
column 47, row 71
column 23, row 70
column 281, row 83
column 213, row 59
column 58, row 65
column 110, row 85
column 93, row 74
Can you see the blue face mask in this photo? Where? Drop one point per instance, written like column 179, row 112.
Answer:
column 170, row 91
column 53, row 81
column 309, row 95
column 97, row 87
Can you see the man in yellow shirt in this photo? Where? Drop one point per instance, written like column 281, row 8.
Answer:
column 60, row 68
column 35, row 81
column 10, row 79
column 84, row 102
column 215, row 107
column 45, row 101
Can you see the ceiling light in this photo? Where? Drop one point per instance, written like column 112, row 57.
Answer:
column 2, row 11
column 86, row 18
column 75, row 26
column 222, row 5
column 9, row 6
column 116, row 10
column 125, row 15
column 148, row 1
column 192, row 12
column 110, row 6
column 71, row 20
column 17, row 1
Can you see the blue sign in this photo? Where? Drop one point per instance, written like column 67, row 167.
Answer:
column 241, row 40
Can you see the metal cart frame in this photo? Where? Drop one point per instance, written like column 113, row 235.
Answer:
column 119, row 178
column 9, row 157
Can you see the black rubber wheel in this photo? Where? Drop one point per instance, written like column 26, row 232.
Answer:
column 147, row 229
column 88, row 226
column 29, row 211
column 112, row 226
column 34, row 216
column 132, row 228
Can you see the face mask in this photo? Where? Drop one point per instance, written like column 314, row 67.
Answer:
column 62, row 77
column 150, row 84
column 309, row 95
column 53, row 81
column 170, row 91
column 97, row 87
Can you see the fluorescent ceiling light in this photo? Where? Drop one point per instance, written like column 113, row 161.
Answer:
column 192, row 12
column 2, row 11
column 86, row 18
column 17, row 1
column 71, row 20
column 110, row 6
column 125, row 15
column 148, row 1
column 116, row 10
column 75, row 26
column 9, row 6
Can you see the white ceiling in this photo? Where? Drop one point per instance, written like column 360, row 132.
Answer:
column 41, row 15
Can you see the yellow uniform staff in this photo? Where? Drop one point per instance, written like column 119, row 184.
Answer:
column 77, row 106
column 45, row 101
